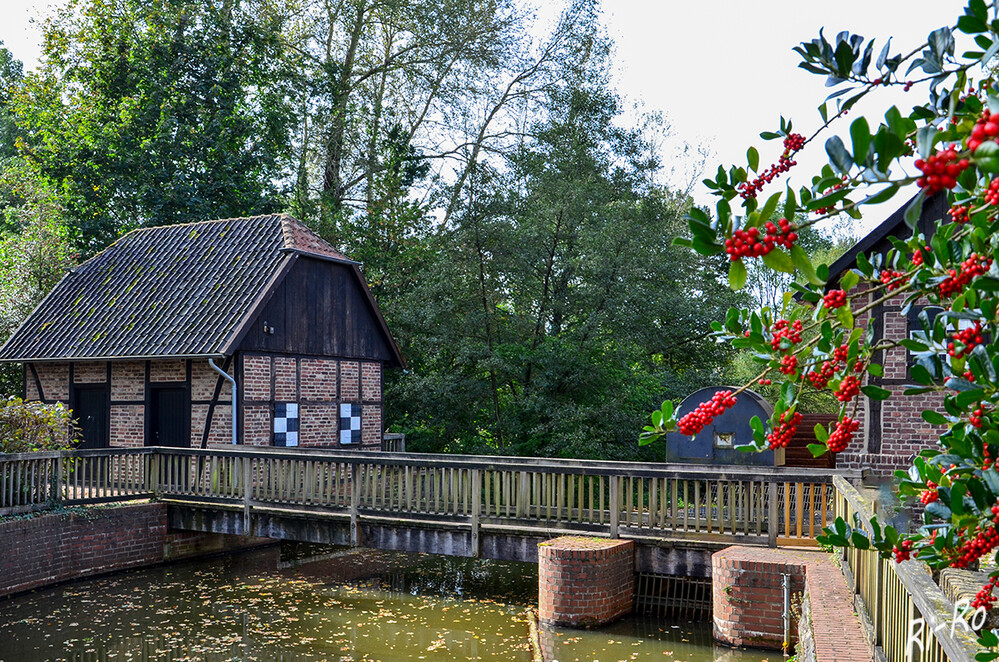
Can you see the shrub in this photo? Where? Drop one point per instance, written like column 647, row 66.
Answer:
column 34, row 426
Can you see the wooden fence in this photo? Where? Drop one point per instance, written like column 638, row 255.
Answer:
column 764, row 506
column 910, row 618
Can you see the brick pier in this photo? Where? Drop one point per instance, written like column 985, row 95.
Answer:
column 585, row 582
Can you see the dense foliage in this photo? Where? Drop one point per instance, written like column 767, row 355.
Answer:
column 34, row 426
column 946, row 145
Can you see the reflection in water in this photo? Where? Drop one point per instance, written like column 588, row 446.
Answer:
column 320, row 604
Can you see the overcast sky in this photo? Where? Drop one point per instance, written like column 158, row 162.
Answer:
column 721, row 70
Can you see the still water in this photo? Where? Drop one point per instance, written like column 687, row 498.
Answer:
column 319, row 605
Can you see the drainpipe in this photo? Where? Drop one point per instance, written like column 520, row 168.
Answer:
column 231, row 381
column 785, row 584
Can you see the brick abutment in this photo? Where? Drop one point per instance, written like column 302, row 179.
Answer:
column 48, row 549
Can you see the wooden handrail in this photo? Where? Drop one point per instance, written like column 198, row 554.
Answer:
column 892, row 612
column 629, row 499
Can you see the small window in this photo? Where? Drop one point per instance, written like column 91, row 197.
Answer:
column 286, row 424
column 724, row 439
column 350, row 423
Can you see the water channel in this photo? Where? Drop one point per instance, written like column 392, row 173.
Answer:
column 322, row 605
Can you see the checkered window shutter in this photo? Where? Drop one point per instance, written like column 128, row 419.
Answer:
column 350, row 423
column 286, row 424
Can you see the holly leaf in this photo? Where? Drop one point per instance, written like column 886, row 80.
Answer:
column 875, row 392
column 818, row 450
column 737, row 275
column 779, row 260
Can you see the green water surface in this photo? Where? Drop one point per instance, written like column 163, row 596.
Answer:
column 338, row 606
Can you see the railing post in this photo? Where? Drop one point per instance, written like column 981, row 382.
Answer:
column 154, row 474
column 476, row 510
column 613, row 485
column 773, row 525
column 57, row 488
column 355, row 501
column 247, row 494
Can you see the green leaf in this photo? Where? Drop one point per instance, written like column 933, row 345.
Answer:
column 769, row 207
column 849, row 280
column 818, row 450
column 753, row 157
column 737, row 275
column 933, row 417
column 915, row 209
column 778, row 260
column 876, row 392
column 921, row 375
column 838, row 155
column 875, row 369
column 820, row 433
column 804, row 265
column 986, row 157
column 859, row 540
column 860, row 135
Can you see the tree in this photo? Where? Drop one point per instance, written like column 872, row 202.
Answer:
column 154, row 113
column 531, row 334
column 36, row 250
column 11, row 74
column 949, row 144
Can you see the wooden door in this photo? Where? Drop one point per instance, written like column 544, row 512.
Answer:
column 90, row 407
column 169, row 417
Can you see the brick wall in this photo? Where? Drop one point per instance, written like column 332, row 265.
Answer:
column 893, row 429
column 747, row 596
column 127, row 427
column 53, row 548
column 585, row 582
column 748, row 603
column 319, row 386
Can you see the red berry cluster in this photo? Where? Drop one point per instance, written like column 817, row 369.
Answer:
column 917, row 257
column 831, row 208
column 985, row 540
column 988, row 459
column 820, row 378
column 984, row 597
column 969, row 338
column 984, row 129
column 841, row 353
column 842, row 435
column 764, row 382
column 959, row 213
column 748, row 243
column 892, row 279
column 792, row 144
column 940, row 170
column 848, row 388
column 903, row 553
column 783, row 329
column 958, row 278
column 835, row 299
column 781, row 436
column 976, row 417
column 930, row 494
column 705, row 413
column 992, row 193
column 789, row 365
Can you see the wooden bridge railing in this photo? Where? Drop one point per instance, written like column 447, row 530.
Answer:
column 911, row 619
column 754, row 505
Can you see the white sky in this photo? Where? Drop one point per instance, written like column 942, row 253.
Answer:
column 721, row 70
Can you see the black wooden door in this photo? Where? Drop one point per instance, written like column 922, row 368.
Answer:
column 90, row 407
column 168, row 417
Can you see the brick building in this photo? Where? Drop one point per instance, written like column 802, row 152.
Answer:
column 892, row 430
column 135, row 340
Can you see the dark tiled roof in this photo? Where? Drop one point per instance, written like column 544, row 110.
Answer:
column 179, row 290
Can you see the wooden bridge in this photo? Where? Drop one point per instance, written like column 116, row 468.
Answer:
column 495, row 507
